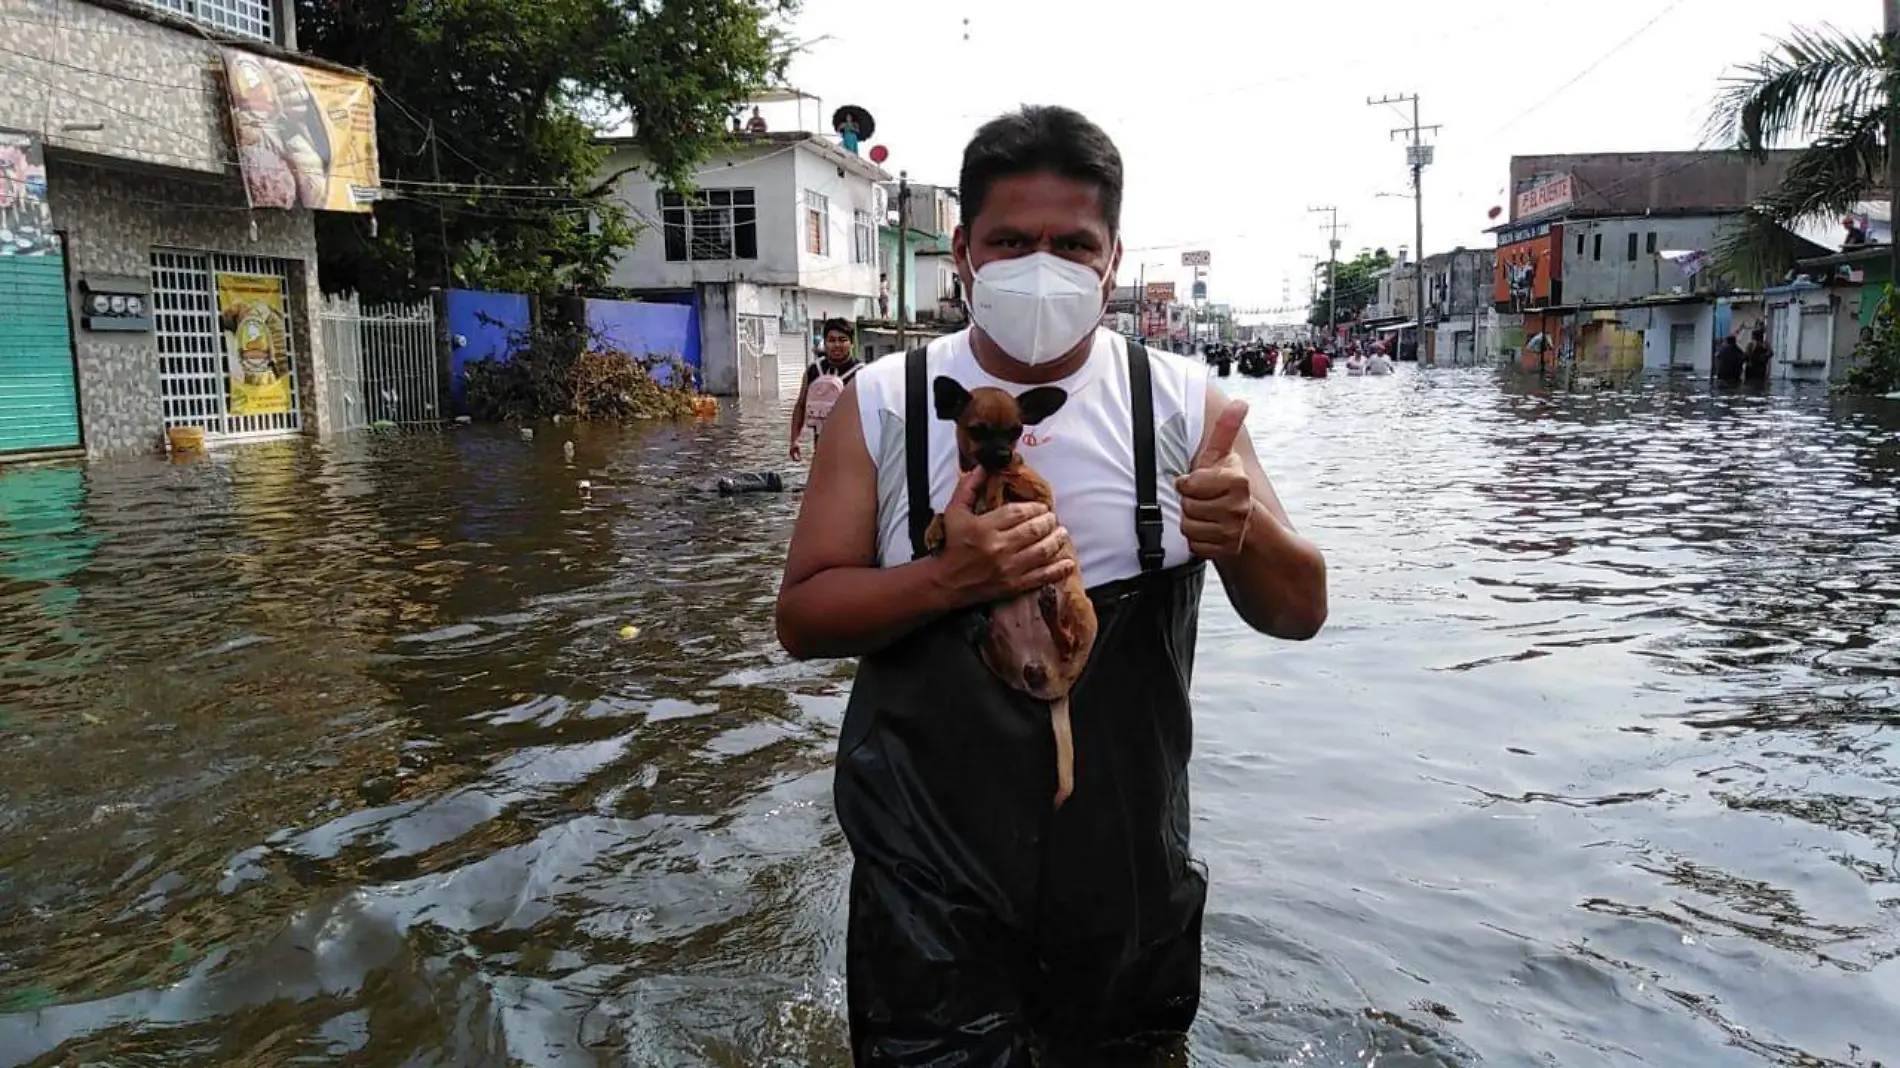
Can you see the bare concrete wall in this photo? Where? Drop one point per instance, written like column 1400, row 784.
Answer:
column 1636, row 182
column 113, row 220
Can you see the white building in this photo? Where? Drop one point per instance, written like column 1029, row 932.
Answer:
column 780, row 234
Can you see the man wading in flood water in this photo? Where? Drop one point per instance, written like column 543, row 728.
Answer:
column 983, row 923
column 825, row 380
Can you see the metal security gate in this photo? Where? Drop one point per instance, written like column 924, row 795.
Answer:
column 196, row 365
column 384, row 362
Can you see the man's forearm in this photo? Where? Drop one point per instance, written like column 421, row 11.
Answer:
column 1278, row 582
column 851, row 611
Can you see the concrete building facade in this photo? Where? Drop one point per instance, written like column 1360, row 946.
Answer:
column 780, row 234
column 127, row 101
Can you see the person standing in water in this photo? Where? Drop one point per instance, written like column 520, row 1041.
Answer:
column 825, row 381
column 986, row 929
column 1757, row 358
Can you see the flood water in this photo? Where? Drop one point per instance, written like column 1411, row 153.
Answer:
column 340, row 756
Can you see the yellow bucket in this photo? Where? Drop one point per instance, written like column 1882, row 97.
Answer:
column 186, row 438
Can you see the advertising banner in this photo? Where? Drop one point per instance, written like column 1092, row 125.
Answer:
column 1160, row 292
column 26, row 221
column 1197, row 258
column 305, row 137
column 256, row 352
column 1530, row 264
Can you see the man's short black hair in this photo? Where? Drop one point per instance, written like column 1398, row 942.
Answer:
column 839, row 326
column 1041, row 138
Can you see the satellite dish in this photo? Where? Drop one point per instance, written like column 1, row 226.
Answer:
column 879, row 153
column 856, row 116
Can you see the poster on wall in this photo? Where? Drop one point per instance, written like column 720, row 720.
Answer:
column 305, row 137
column 256, row 350
column 1529, row 267
column 26, row 219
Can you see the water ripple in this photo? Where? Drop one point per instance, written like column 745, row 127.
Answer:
column 340, row 754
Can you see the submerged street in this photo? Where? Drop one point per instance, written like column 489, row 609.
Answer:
column 347, row 753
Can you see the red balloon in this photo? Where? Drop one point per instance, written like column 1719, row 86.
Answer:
column 879, row 153
column 1495, row 211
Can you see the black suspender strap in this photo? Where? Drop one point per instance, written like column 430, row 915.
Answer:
column 1148, row 521
column 917, row 447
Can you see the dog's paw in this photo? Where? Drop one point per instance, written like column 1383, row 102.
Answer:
column 934, row 536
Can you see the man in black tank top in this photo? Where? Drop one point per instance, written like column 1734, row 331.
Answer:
column 987, row 929
column 837, row 361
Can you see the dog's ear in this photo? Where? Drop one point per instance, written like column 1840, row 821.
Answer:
column 952, row 398
column 1041, row 403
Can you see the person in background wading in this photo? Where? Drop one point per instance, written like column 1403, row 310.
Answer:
column 1756, row 358
column 987, row 928
column 824, row 383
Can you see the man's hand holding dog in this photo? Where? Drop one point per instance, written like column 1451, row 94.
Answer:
column 1011, row 550
column 1217, row 500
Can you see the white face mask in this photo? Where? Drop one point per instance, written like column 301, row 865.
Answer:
column 1036, row 307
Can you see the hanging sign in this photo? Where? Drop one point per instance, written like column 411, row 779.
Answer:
column 305, row 137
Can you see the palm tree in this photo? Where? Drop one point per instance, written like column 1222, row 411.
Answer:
column 1831, row 93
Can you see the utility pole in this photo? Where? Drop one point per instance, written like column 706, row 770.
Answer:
column 441, row 214
column 1332, row 268
column 1892, row 8
column 903, row 251
column 1418, row 154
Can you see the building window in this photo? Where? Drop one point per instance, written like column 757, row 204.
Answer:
column 713, row 224
column 242, row 18
column 1650, row 244
column 1632, row 253
column 817, row 224
column 863, row 238
column 1596, row 249
column 1579, row 244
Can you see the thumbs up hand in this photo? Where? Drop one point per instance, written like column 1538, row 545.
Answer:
column 1217, row 502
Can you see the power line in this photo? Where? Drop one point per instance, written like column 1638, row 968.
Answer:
column 1586, row 71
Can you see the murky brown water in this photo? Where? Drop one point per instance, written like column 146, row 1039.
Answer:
column 337, row 755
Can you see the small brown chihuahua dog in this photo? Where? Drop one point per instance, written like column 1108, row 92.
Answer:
column 1037, row 642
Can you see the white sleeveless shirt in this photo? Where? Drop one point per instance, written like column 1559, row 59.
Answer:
column 1086, row 450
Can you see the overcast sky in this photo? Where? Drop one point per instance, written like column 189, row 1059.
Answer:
column 1233, row 118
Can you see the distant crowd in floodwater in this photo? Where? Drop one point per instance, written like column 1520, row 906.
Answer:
column 1256, row 359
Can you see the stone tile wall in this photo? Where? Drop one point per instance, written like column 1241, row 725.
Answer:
column 92, row 79
column 113, row 219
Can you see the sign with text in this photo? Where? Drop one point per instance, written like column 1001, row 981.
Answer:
column 1529, row 266
column 306, row 138
column 1160, row 291
column 257, row 352
column 1551, row 194
column 1202, row 258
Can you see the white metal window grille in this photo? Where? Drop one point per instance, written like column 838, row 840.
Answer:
column 193, row 368
column 863, row 238
column 245, row 18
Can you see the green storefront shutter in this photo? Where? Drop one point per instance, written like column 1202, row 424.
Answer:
column 39, row 403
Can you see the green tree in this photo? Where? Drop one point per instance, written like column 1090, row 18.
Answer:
column 1357, row 284
column 486, row 119
column 1827, row 92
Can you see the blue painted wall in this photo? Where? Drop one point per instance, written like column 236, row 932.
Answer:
column 487, row 321
column 642, row 329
